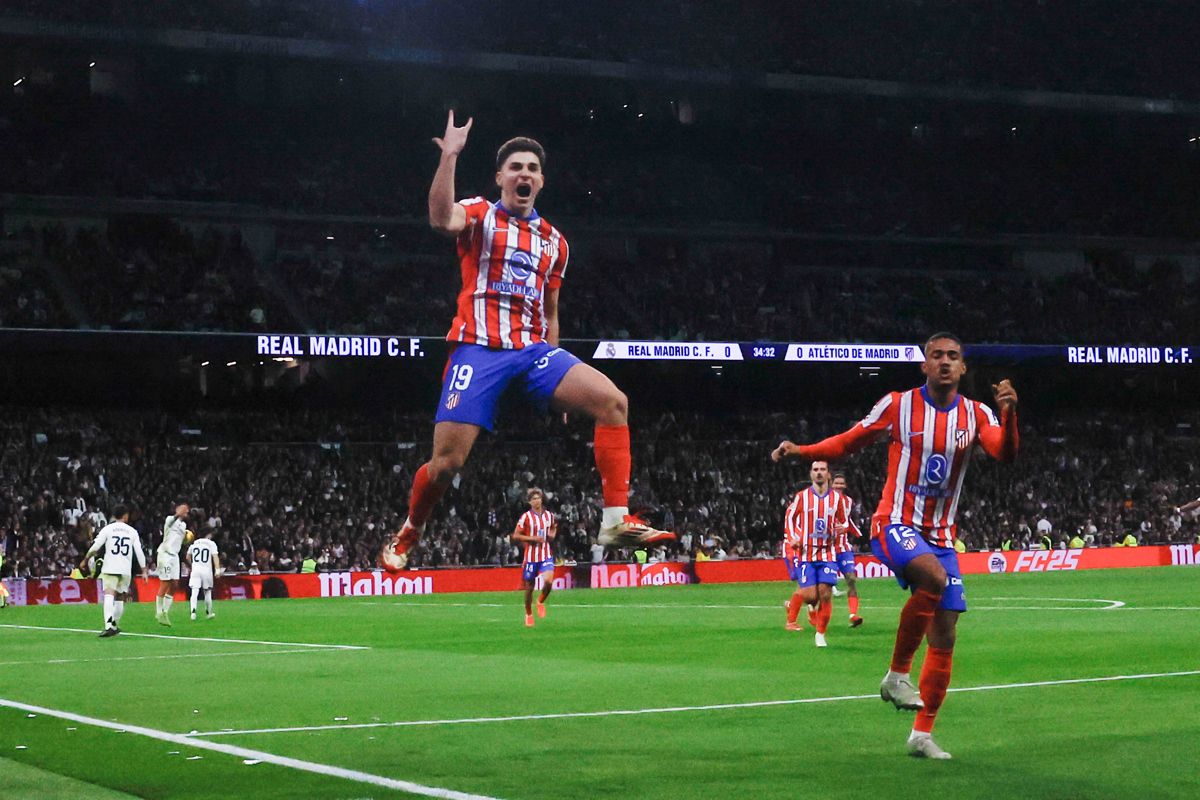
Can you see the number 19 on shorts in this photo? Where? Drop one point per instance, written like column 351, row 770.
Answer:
column 460, row 377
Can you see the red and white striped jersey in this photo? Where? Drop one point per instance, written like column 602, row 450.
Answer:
column 928, row 454
column 841, row 540
column 812, row 522
column 507, row 264
column 538, row 524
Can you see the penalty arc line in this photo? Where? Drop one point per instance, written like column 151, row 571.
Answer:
column 245, row 753
column 678, row 709
column 195, row 638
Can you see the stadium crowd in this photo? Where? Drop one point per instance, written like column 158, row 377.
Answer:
column 155, row 275
column 279, row 487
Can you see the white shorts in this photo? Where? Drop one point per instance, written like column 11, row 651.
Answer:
column 117, row 584
column 168, row 567
column 200, row 580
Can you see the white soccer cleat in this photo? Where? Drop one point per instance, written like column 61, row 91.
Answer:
column 193, row 616
column 211, row 615
column 820, row 640
column 921, row 745
column 394, row 555
column 837, row 592
column 898, row 690
column 632, row 531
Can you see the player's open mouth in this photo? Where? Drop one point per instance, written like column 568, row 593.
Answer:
column 524, row 190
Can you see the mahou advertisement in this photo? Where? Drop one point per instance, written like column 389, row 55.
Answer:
column 594, row 576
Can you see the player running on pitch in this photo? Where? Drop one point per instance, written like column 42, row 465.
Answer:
column 205, row 564
column 175, row 530
column 811, row 522
column 932, row 431
column 121, row 544
column 505, row 331
column 536, row 529
column 845, row 552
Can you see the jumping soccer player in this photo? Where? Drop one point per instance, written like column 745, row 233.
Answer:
column 505, row 330
column 811, row 522
column 845, row 552
column 121, row 542
column 536, row 529
column 175, row 530
column 205, row 563
column 932, row 431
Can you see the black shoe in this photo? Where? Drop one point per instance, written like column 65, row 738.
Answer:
column 109, row 632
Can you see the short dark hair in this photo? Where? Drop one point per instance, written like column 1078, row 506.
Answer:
column 520, row 144
column 120, row 510
column 943, row 335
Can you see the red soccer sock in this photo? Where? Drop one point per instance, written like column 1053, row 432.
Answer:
column 915, row 618
column 425, row 495
column 812, row 616
column 794, row 608
column 824, row 612
column 614, row 462
column 852, row 601
column 935, row 680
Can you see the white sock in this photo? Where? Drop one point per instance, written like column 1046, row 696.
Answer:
column 208, row 600
column 195, row 596
column 892, row 674
column 109, row 622
column 118, row 610
column 613, row 515
column 916, row 734
column 157, row 605
column 167, row 603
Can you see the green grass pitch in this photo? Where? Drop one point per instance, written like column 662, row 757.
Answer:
column 440, row 660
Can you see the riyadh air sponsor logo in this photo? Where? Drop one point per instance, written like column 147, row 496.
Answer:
column 521, row 265
column 997, row 563
column 1047, row 561
column 1185, row 555
column 344, row 584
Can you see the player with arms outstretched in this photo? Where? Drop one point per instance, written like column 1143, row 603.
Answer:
column 845, row 551
column 121, row 544
column 512, row 263
column 931, row 432
column 536, row 529
column 811, row 522
column 206, row 564
column 175, row 531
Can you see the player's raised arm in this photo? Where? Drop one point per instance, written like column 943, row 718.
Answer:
column 1002, row 441
column 445, row 215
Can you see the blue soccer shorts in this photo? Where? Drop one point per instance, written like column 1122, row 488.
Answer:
column 476, row 376
column 900, row 544
column 845, row 562
column 531, row 569
column 793, row 567
column 814, row 572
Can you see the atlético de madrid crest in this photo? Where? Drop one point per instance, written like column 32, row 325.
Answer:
column 452, row 400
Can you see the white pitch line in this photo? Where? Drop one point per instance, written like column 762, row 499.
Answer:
column 677, row 709
column 1112, row 605
column 244, row 753
column 153, row 658
column 196, row 638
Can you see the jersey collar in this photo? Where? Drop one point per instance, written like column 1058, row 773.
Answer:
column 929, row 399
column 533, row 214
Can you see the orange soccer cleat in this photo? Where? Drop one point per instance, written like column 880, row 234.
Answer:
column 541, row 609
column 529, row 620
